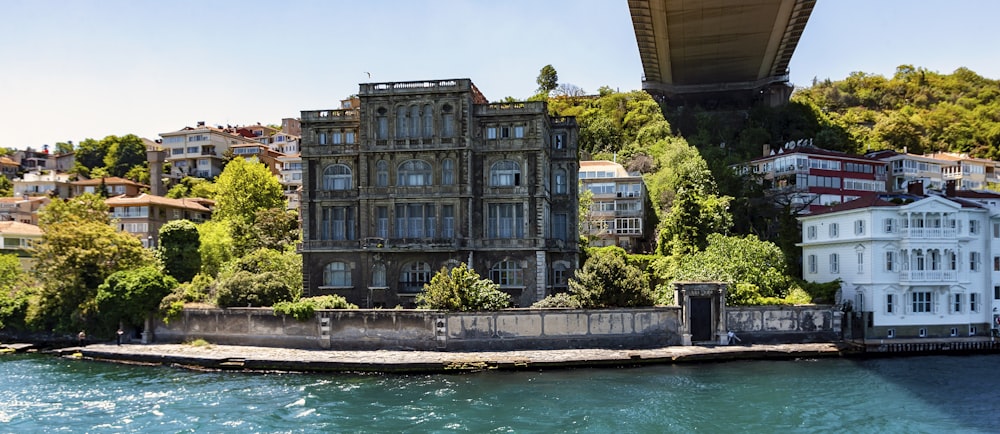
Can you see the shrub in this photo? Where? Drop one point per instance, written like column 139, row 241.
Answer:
column 247, row 289
column 304, row 308
column 561, row 299
column 606, row 280
column 462, row 289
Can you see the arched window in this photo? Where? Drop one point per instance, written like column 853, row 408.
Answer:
column 336, row 274
column 507, row 274
column 560, row 274
column 381, row 174
column 505, row 173
column 337, row 177
column 381, row 124
column 414, row 121
column 414, row 173
column 560, row 181
column 428, row 118
column 414, row 276
column 401, row 129
column 447, row 171
column 378, row 275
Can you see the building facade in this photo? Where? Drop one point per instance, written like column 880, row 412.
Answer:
column 200, row 151
column 425, row 175
column 620, row 212
column 911, row 265
column 809, row 178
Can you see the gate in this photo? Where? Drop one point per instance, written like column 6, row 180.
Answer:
column 702, row 327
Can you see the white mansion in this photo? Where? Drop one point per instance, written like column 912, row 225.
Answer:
column 914, row 265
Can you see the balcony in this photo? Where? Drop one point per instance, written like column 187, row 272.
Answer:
column 510, row 108
column 929, row 232
column 330, row 115
column 929, row 276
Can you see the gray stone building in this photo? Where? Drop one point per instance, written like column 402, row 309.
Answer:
column 429, row 174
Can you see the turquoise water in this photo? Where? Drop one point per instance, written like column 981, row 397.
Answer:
column 958, row 394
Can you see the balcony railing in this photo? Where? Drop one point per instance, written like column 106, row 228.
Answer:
column 929, row 232
column 928, row 276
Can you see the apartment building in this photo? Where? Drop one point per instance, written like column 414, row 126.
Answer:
column 620, row 211
column 143, row 215
column 199, row 151
column 428, row 174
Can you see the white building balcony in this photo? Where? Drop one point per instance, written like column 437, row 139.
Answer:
column 929, row 232
column 928, row 276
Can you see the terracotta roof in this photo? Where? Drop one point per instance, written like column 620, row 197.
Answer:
column 865, row 201
column 8, row 161
column 19, row 228
column 974, row 194
column 148, row 199
column 110, row 180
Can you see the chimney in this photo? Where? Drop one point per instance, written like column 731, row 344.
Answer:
column 949, row 188
column 201, row 123
column 766, row 149
column 916, row 187
column 155, row 157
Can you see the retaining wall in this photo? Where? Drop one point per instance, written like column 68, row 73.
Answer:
column 784, row 324
column 516, row 329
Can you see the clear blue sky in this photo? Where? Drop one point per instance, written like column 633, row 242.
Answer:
column 76, row 69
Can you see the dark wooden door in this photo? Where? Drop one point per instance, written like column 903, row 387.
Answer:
column 701, row 319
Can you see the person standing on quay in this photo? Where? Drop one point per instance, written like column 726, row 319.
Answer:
column 81, row 337
column 119, row 335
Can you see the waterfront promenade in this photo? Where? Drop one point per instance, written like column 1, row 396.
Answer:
column 245, row 358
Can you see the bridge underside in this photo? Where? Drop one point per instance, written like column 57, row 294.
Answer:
column 730, row 52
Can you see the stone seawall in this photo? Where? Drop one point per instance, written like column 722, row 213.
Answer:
column 784, row 324
column 515, row 329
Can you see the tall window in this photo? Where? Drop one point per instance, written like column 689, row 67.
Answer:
column 889, row 225
column 560, row 274
column 505, row 173
column 560, row 181
column 834, row 230
column 382, row 222
column 415, row 121
column 447, row 121
column 506, row 220
column 811, row 232
column 974, row 261
column 378, row 275
column 337, row 223
column 414, row 276
column 507, row 274
column 401, row 128
column 381, row 174
column 448, row 171
column 336, row 274
column 428, row 118
column 973, row 227
column 415, row 220
column 834, row 263
column 921, row 302
column 560, row 230
column 889, row 303
column 322, row 138
column 812, row 264
column 890, row 261
column 414, row 173
column 381, row 124
column 973, row 302
column 859, row 227
column 559, row 141
column 448, row 221
column 957, row 305
column 337, row 177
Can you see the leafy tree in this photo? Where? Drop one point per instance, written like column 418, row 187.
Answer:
column 178, row 249
column 87, row 207
column 754, row 269
column 261, row 278
column 216, row 246
column 547, row 80
column 275, row 229
column 190, row 186
column 71, row 261
column 6, row 187
column 245, row 187
column 90, row 153
column 123, row 154
column 130, row 296
column 607, row 280
column 15, row 293
column 64, row 147
column 461, row 289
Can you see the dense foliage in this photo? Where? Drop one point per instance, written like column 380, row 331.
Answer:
column 304, row 308
column 461, row 289
column 178, row 249
column 261, row 278
column 608, row 280
column 130, row 296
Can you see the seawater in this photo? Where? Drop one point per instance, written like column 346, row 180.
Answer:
column 953, row 394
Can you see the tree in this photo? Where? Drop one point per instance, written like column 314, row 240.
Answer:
column 178, row 249
column 71, row 260
column 461, row 289
column 547, row 80
column 123, row 154
column 6, row 187
column 261, row 278
column 64, row 147
column 90, row 153
column 607, row 280
column 216, row 246
column 245, row 187
column 15, row 290
column 130, row 296
column 274, row 228
column 87, row 207
column 754, row 269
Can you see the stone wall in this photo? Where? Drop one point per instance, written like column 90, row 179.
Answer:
column 429, row 330
column 784, row 324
